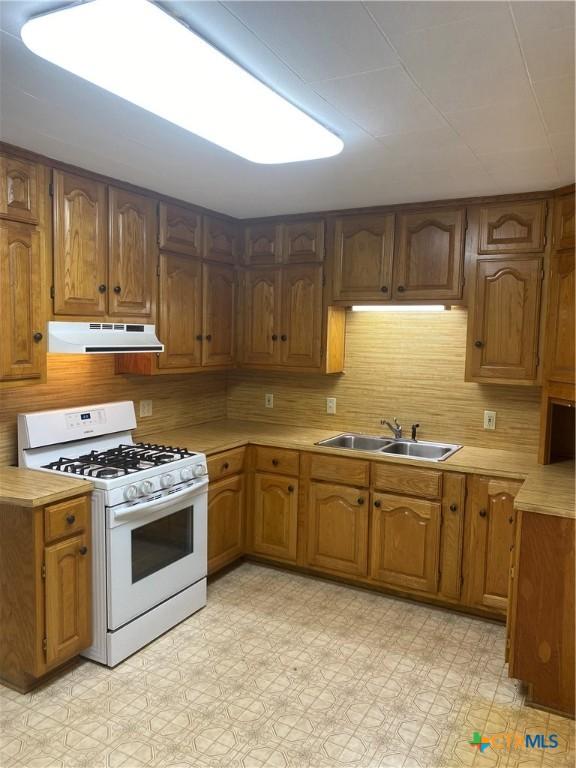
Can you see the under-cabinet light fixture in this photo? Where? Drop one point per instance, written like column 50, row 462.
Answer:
column 400, row 308
column 137, row 51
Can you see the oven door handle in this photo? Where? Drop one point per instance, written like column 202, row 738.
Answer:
column 134, row 511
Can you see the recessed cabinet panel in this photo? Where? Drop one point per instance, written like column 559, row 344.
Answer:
column 301, row 324
column 180, row 325
column 262, row 244
column 561, row 318
column 18, row 190
column 563, row 236
column 303, row 241
column 133, row 254
column 220, row 240
column 275, row 516
column 219, row 306
column 21, row 318
column 80, row 245
column 179, row 229
column 512, row 227
column 262, row 316
column 363, row 248
column 503, row 329
column 225, row 530
column 428, row 263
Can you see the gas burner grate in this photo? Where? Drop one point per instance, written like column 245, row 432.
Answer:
column 122, row 460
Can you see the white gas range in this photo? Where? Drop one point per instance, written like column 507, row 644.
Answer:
column 149, row 520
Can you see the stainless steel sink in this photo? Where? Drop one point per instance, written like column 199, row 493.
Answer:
column 373, row 444
column 356, row 442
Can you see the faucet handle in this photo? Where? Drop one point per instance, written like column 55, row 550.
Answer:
column 414, row 428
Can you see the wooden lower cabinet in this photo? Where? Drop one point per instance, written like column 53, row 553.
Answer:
column 338, row 528
column 225, row 522
column 490, row 528
column 405, row 542
column 46, row 589
column 275, row 516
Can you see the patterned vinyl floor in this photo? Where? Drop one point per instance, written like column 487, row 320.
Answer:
column 280, row 670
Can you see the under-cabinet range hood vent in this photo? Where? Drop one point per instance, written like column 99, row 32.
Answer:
column 102, row 338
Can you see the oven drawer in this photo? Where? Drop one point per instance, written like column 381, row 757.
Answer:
column 280, row 460
column 66, row 518
column 225, row 464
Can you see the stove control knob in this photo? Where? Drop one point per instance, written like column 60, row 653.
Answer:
column 186, row 474
column 199, row 470
column 130, row 492
column 167, row 481
column 146, row 487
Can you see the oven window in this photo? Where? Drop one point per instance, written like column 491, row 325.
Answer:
column 161, row 542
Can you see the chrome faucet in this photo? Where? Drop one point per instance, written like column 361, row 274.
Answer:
column 397, row 430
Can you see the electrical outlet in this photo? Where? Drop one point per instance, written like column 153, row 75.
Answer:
column 489, row 419
column 145, row 408
column 331, row 405
column 269, row 401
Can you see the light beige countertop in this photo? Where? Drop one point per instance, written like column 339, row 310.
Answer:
column 549, row 490
column 31, row 488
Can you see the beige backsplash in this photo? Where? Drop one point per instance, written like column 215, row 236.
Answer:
column 405, row 365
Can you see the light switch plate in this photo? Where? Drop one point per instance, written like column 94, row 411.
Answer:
column 269, row 401
column 489, row 419
column 331, row 405
column 145, row 408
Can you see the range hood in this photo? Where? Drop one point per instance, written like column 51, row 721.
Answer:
column 102, row 338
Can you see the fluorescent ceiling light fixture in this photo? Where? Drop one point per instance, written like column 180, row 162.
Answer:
column 400, row 308
column 137, row 51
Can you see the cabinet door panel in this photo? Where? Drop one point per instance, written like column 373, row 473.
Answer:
column 561, row 319
column 275, row 516
column 338, row 528
column 563, row 235
column 80, row 246
column 18, row 190
column 220, row 240
column 225, row 529
column 303, row 241
column 503, row 338
column 405, row 542
column 219, row 312
column 452, row 535
column 68, row 599
column 21, row 316
column 262, row 244
column 179, row 229
column 512, row 227
column 133, row 254
column 180, row 311
column 262, row 317
column 490, row 536
column 301, row 324
column 363, row 248
column 430, row 255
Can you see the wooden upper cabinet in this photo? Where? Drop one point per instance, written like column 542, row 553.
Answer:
column 220, row 240
column 218, row 314
column 512, row 227
column 490, row 530
column 275, row 521
column 179, row 229
column 561, row 319
column 563, row 230
column 504, row 323
column 180, row 311
column 363, row 250
column 261, row 302
column 405, row 542
column 303, row 241
column 21, row 317
column 18, row 190
column 338, row 528
column 429, row 258
column 132, row 254
column 301, row 320
column 262, row 244
column 80, row 218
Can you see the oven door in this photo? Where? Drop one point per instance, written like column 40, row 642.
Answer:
column 154, row 554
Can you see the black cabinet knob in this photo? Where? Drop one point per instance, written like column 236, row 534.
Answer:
column 274, row 337
column 401, row 289
column 284, row 337
column 208, row 337
column 384, row 289
column 225, row 465
column 290, row 489
column 275, row 462
column 478, row 344
column 199, row 337
column 37, row 336
column 453, row 507
column 117, row 289
column 83, row 550
column 102, row 288
column 71, row 519
column 378, row 504
column 510, row 519
column 360, row 500
column 482, row 513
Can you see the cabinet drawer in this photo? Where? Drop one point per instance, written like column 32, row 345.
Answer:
column 66, row 518
column 407, row 480
column 225, row 464
column 339, row 470
column 278, row 460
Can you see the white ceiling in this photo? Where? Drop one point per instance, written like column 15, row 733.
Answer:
column 432, row 99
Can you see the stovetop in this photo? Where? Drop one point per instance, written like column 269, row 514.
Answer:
column 119, row 461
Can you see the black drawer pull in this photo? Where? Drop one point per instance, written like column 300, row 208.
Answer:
column 225, row 465
column 384, row 289
column 274, row 337
column 453, row 507
column 83, row 550
column 360, row 500
column 275, row 462
column 209, row 337
column 199, row 337
column 37, row 336
column 378, row 504
column 401, row 289
column 71, row 519
column 102, row 288
column 482, row 513
column 290, row 489
column 478, row 344
column 284, row 337
column 117, row 289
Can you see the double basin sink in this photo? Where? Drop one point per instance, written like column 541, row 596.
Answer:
column 412, row 449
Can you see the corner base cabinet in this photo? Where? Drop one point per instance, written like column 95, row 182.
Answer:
column 45, row 589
